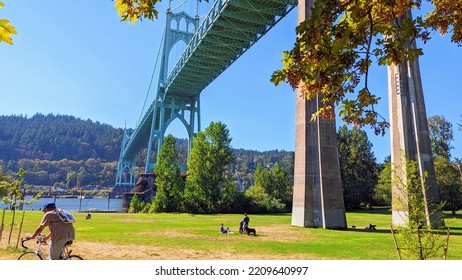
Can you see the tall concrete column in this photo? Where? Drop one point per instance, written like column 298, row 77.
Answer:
column 410, row 136
column 317, row 196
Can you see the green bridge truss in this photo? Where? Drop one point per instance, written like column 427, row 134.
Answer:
column 229, row 30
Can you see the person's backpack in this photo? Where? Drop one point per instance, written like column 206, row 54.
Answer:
column 65, row 216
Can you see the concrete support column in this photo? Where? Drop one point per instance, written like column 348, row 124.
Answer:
column 318, row 195
column 409, row 135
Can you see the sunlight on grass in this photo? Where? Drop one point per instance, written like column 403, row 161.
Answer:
column 174, row 236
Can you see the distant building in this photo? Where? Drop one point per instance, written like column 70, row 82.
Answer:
column 144, row 188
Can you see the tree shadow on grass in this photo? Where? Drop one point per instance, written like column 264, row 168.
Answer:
column 379, row 230
column 451, row 216
column 378, row 210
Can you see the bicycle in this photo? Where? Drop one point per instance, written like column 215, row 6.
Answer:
column 39, row 255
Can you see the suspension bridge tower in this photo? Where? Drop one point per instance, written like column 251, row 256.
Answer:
column 165, row 108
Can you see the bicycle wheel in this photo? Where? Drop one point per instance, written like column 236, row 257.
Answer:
column 30, row 256
column 75, row 258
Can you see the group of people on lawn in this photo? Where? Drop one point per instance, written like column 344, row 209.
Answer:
column 244, row 224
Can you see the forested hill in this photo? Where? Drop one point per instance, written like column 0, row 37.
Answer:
column 50, row 137
column 67, row 151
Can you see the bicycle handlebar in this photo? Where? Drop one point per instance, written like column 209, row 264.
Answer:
column 39, row 240
column 22, row 243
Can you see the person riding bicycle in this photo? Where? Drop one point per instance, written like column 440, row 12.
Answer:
column 60, row 232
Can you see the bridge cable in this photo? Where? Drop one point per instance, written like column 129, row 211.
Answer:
column 179, row 5
column 152, row 75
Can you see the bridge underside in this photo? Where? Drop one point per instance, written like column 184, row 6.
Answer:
column 229, row 30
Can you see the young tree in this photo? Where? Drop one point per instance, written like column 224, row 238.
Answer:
column 12, row 190
column 416, row 238
column 12, row 193
column 170, row 185
column 441, row 136
column 206, row 175
column 135, row 205
column 357, row 167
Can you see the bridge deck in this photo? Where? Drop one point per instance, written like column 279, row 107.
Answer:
column 228, row 31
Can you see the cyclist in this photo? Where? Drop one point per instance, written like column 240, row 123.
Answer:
column 60, row 232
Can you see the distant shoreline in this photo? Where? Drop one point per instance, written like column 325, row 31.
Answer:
column 93, row 204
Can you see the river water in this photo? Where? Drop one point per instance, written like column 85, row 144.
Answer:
column 75, row 204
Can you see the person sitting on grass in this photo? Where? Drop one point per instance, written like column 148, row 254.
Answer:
column 370, row 227
column 223, row 230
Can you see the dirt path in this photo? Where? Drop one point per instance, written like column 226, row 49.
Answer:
column 113, row 251
column 104, row 251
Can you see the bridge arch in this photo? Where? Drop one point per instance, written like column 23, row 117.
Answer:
column 182, row 26
column 175, row 53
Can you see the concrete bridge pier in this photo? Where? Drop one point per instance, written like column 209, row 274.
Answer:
column 318, row 195
column 410, row 138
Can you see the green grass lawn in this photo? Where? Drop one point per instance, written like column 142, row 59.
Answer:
column 170, row 236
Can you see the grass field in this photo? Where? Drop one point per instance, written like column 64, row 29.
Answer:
column 117, row 236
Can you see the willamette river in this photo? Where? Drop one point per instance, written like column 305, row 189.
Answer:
column 75, row 204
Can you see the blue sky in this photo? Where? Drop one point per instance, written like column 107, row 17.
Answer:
column 77, row 58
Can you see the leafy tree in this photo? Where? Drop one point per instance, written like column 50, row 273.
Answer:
column 272, row 191
column 170, row 185
column 12, row 190
column 133, row 10
column 5, row 185
column 441, row 136
column 231, row 199
column 337, row 45
column 358, row 168
column 6, row 30
column 449, row 183
column 197, row 191
column 281, row 186
column 447, row 172
column 81, row 176
column 135, row 205
column 12, row 194
column 382, row 191
column 206, row 175
column 261, row 202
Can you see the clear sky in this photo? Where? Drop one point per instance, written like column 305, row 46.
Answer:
column 77, row 58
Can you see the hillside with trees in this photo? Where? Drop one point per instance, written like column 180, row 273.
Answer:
column 61, row 150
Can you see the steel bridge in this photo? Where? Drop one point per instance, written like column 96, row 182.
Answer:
column 229, row 30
